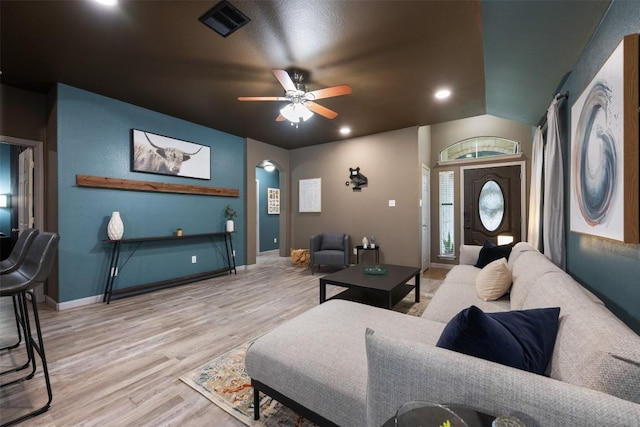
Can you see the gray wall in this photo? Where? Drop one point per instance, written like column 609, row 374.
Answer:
column 390, row 161
column 608, row 268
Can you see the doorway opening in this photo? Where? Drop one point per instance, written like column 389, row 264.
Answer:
column 22, row 184
column 267, row 208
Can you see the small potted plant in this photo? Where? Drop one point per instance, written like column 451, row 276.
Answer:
column 179, row 232
column 230, row 214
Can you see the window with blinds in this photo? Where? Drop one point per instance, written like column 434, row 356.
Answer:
column 447, row 235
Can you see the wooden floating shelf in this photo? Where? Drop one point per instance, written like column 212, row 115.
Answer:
column 155, row 187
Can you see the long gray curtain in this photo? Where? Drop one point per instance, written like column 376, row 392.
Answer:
column 535, row 192
column 553, row 206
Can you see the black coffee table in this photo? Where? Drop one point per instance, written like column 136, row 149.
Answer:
column 384, row 290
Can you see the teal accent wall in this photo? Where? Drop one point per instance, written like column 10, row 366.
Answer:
column 94, row 138
column 5, row 186
column 269, row 224
column 610, row 269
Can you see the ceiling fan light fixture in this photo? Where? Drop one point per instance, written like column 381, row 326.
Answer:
column 295, row 112
column 289, row 113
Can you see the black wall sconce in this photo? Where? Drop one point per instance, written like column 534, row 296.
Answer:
column 357, row 179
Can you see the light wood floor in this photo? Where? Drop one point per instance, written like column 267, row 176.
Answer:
column 119, row 364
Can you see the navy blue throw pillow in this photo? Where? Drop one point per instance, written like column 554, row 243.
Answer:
column 521, row 339
column 491, row 252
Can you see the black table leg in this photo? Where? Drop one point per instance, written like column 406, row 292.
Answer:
column 417, row 288
column 113, row 270
column 323, row 291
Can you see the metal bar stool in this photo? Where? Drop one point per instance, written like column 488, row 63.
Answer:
column 13, row 261
column 32, row 272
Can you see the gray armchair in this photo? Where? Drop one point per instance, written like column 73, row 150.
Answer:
column 329, row 249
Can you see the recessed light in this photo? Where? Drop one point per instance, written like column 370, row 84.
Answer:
column 107, row 2
column 345, row 130
column 443, row 94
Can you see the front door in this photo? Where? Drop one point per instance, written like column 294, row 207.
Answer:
column 492, row 204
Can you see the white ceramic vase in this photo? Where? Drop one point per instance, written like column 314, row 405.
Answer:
column 229, row 225
column 115, row 228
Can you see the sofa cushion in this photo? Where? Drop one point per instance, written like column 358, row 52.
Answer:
column 527, row 269
column 332, row 241
column 457, row 292
column 469, row 254
column 594, row 349
column 319, row 359
column 520, row 339
column 491, row 252
column 494, row 280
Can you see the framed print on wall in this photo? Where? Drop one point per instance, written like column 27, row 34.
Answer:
column 605, row 150
column 151, row 153
column 273, row 201
column 310, row 195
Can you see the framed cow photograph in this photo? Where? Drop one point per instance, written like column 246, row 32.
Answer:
column 152, row 153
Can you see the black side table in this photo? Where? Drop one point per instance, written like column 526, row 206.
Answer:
column 368, row 248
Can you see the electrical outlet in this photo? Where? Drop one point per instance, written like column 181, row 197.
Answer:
column 275, row 240
column 194, row 259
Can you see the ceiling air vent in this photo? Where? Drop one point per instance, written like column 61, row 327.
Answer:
column 224, row 18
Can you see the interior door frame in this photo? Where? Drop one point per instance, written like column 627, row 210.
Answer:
column 425, row 211
column 523, row 188
column 38, row 178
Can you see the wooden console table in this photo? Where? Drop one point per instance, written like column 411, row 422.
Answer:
column 113, row 270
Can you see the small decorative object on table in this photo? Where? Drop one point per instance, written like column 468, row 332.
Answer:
column 230, row 214
column 374, row 269
column 365, row 242
column 372, row 243
column 115, row 228
column 179, row 232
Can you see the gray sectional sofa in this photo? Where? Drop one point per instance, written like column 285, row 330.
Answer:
column 348, row 364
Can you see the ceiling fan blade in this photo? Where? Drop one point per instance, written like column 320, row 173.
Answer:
column 285, row 80
column 330, row 92
column 280, row 118
column 319, row 109
column 262, row 98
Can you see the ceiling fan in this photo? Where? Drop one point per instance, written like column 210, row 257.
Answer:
column 301, row 103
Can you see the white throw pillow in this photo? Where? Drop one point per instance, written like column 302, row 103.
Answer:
column 494, row 280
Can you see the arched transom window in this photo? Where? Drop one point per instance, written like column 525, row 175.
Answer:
column 480, row 146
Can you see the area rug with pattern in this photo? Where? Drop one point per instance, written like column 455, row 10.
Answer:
column 224, row 382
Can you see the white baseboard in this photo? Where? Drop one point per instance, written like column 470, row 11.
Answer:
column 439, row 265
column 74, row 303
column 98, row 298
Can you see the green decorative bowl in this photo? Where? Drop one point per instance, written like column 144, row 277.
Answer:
column 374, row 269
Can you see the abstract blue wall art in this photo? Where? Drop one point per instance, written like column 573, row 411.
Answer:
column 599, row 118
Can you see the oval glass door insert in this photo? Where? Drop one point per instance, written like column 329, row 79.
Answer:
column 491, row 205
